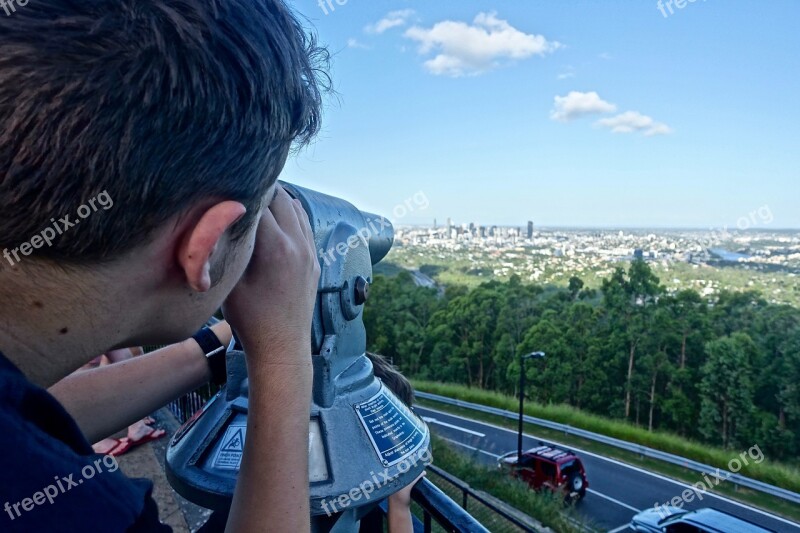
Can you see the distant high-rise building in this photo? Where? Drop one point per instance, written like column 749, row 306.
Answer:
column 434, row 223
column 530, row 229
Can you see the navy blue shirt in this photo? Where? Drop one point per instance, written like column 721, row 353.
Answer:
column 51, row 479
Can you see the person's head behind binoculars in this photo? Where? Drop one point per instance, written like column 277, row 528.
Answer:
column 392, row 378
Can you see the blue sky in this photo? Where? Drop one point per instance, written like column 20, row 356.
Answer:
column 568, row 113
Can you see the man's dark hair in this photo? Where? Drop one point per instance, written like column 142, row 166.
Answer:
column 392, row 378
column 160, row 103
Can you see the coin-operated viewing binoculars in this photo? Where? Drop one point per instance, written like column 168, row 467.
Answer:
column 364, row 443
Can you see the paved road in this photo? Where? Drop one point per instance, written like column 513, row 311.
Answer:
column 421, row 280
column 616, row 492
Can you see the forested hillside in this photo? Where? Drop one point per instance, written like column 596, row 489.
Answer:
column 724, row 371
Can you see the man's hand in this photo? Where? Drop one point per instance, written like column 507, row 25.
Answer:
column 271, row 310
column 272, row 305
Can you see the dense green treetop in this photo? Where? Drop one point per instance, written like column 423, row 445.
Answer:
column 724, row 370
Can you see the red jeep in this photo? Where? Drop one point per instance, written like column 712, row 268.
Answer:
column 549, row 468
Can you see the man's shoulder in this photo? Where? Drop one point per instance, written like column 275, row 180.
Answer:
column 11, row 379
column 50, row 479
column 43, row 420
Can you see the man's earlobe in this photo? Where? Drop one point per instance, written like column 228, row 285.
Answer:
column 202, row 240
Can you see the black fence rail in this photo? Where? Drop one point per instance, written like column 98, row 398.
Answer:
column 439, row 507
column 495, row 515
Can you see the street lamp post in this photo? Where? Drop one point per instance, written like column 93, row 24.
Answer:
column 532, row 355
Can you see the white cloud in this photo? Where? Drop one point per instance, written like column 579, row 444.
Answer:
column 577, row 104
column 392, row 20
column 354, row 43
column 633, row 121
column 471, row 49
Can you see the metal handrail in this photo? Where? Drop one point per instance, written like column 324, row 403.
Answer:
column 466, row 490
column 690, row 464
column 438, row 506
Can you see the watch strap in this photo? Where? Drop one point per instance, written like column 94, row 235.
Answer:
column 215, row 353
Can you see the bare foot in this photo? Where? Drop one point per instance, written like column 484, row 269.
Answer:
column 141, row 431
column 105, row 446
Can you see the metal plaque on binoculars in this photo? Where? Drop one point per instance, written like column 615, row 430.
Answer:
column 394, row 431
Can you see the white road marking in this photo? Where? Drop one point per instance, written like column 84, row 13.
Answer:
column 471, row 447
column 431, row 420
column 626, row 465
column 612, row 500
column 620, row 528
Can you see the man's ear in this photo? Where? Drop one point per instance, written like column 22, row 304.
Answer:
column 202, row 239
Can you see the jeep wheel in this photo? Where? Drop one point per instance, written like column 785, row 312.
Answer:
column 576, row 487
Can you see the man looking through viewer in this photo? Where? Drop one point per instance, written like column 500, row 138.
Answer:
column 185, row 113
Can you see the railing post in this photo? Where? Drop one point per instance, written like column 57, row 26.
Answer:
column 464, row 495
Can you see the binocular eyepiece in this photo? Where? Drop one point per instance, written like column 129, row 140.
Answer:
column 364, row 443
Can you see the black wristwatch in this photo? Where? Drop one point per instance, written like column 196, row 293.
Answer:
column 215, row 354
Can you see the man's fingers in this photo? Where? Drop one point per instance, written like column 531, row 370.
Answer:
column 282, row 208
column 284, row 220
column 302, row 218
column 267, row 230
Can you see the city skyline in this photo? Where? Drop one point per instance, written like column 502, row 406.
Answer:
column 543, row 227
